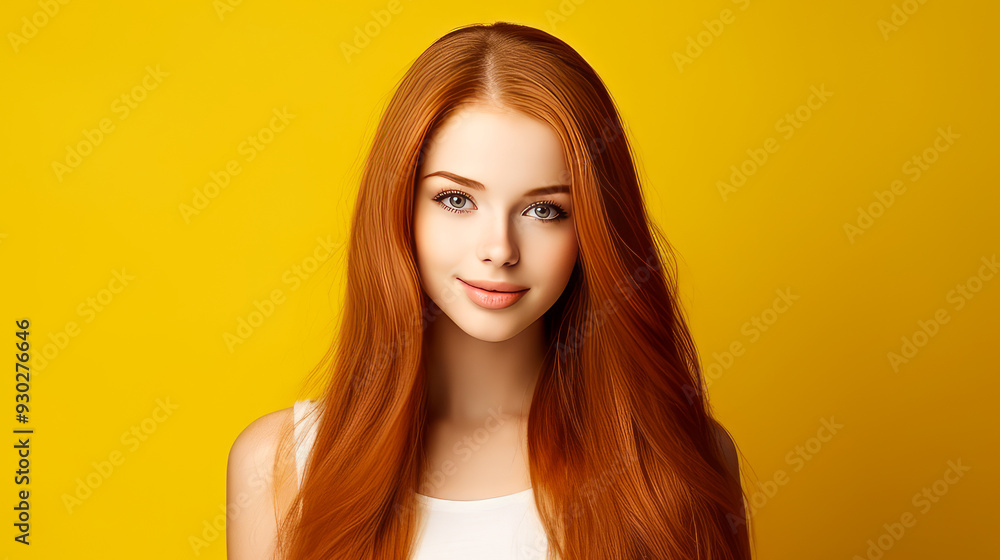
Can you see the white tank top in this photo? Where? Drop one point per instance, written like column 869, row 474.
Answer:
column 500, row 528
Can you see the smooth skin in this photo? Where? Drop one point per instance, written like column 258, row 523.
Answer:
column 482, row 364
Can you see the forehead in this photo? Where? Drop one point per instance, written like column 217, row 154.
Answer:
column 495, row 146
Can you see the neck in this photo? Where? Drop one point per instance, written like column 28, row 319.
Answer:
column 470, row 379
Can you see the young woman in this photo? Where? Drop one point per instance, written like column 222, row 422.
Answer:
column 513, row 377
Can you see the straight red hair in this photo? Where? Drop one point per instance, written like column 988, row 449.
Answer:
column 622, row 446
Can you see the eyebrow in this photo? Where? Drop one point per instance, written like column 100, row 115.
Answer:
column 473, row 184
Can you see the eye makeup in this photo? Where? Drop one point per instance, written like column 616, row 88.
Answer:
column 559, row 213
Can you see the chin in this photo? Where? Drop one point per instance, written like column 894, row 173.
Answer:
column 489, row 333
column 490, row 329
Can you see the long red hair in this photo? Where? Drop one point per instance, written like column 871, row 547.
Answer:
column 622, row 445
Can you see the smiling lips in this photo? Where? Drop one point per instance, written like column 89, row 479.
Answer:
column 492, row 295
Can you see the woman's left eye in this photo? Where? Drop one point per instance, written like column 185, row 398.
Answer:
column 552, row 212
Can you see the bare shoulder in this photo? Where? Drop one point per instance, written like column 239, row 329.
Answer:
column 251, row 481
column 259, row 440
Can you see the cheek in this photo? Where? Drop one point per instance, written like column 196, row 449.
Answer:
column 556, row 254
column 435, row 243
column 567, row 254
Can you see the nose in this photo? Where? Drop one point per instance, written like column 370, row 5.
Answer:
column 497, row 244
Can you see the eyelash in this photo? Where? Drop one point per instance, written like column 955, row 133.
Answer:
column 560, row 211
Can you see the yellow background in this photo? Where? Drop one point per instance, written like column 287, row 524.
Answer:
column 161, row 336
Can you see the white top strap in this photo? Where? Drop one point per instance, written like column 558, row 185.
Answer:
column 306, row 423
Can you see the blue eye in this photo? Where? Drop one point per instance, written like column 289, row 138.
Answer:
column 456, row 202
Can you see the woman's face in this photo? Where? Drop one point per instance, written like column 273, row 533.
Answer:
column 493, row 208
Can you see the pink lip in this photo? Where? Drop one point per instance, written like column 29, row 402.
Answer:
column 493, row 295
